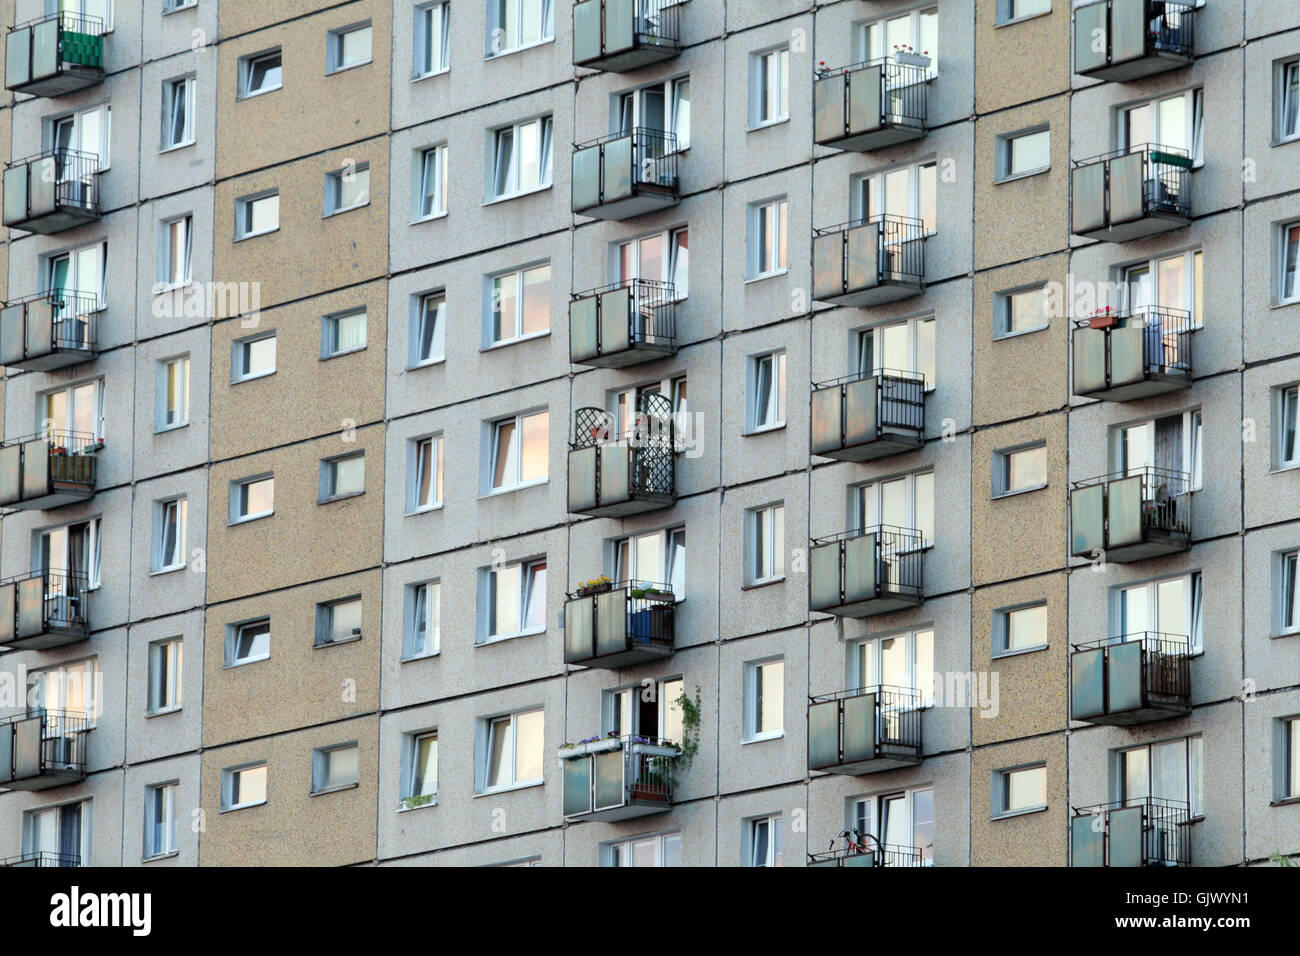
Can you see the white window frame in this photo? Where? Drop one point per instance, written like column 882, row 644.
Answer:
column 870, row 196
column 765, row 544
column 321, row 759
column 627, row 260
column 84, row 842
column 1192, row 431
column 1286, row 412
column 1002, row 786
column 237, row 516
column 246, row 65
column 163, row 379
column 414, row 784
column 424, row 598
column 1288, row 271
column 1288, row 767
column 865, row 49
column 871, row 816
column 920, row 670
column 185, row 86
column 532, row 584
column 509, row 177
column 177, row 509
column 1193, row 123
column 437, row 337
column 769, row 87
column 327, row 629
column 858, row 493
column 92, row 257
column 336, row 45
column 515, row 480
column 1286, row 97
column 171, row 6
column 241, row 353
column 1286, row 590
column 630, row 109
column 1004, row 311
column 431, row 31
column 244, row 213
column 228, row 777
column 498, row 31
column 91, row 543
column 334, row 183
column 1192, row 266
column 235, row 631
column 415, row 473
column 60, row 687
column 329, row 477
column 763, row 837
column 1009, row 11
column 167, row 248
column 100, row 144
column 670, row 546
column 918, row 361
column 329, row 336
column 168, row 845
column 620, row 710
column 753, row 716
column 1194, row 587
column 513, row 324
column 166, row 672
column 1003, row 469
column 430, row 172
column 776, row 392
column 1193, row 768
column 486, row 730
column 666, row 847
column 768, row 239
column 623, row 404
column 1006, row 154
column 1004, row 627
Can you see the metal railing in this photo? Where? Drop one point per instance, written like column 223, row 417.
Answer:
column 76, row 177
column 62, row 745
column 1166, row 338
column 849, row 846
column 652, row 311
column 900, row 555
column 1165, row 176
column 72, row 317
column 900, row 396
column 42, row 858
column 1162, row 489
column 647, row 776
column 902, row 88
column 72, row 22
column 65, row 595
column 1166, row 829
column 656, row 22
column 900, row 245
column 1170, row 25
column 650, row 438
column 650, row 607
column 71, row 455
column 1166, row 661
column 898, row 713
column 654, row 155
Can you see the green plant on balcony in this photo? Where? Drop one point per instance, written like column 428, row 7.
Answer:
column 419, row 800
column 597, row 585
column 647, row 590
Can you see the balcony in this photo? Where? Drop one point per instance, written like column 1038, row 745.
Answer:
column 41, row 858
column 622, row 35
column 44, row 609
column 625, row 174
column 615, row 626
column 869, row 261
column 1142, row 38
column 56, row 190
column 1131, row 680
column 866, row 572
column 57, row 54
column 1125, row 195
column 870, row 105
column 1122, row 517
column 865, row 730
column 850, row 848
column 1133, row 355
column 614, row 477
column 49, row 470
column 49, row 330
column 42, row 750
column 1146, row 831
column 618, row 778
column 867, row 416
column 624, row 323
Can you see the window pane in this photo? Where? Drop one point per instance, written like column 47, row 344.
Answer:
column 505, row 600
column 537, row 300
column 529, row 737
column 535, row 611
column 263, row 214
column 354, row 47
column 249, row 786
column 1026, row 310
column 1026, row 788
column 1027, row 627
column 349, row 475
column 536, row 430
column 353, row 188
column 340, row 767
column 771, row 700
column 1029, row 152
column 1026, row 469
column 500, row 751
column 257, row 497
column 425, row 777
column 505, row 455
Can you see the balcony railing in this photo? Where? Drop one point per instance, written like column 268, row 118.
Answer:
column 49, row 330
column 1139, row 38
column 56, row 54
column 1145, row 831
column 623, row 323
column 1131, row 680
column 613, row 475
column 868, row 415
column 618, row 778
column 621, row 35
column 1131, row 194
column 41, row 858
column 1131, row 516
column 866, row 572
column 1131, row 355
column 851, row 848
column 870, row 105
column 869, row 261
column 44, row 609
column 619, row 625
column 625, row 174
column 53, row 191
column 48, row 470
column 865, row 730
column 46, row 748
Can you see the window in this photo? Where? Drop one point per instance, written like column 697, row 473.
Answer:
column 165, row 668
column 898, row 347
column 342, row 476
column 252, row 358
column 160, row 819
column 101, row 10
column 178, row 112
column 661, row 257
column 900, row 660
column 1170, row 608
column 519, row 451
column 1021, row 154
column 1290, row 279
column 515, row 599
column 769, row 87
column 512, row 751
column 420, row 774
column 74, row 547
column 764, row 699
column 428, row 329
column 79, row 274
column 422, row 633
column 338, row 621
column 1019, row 469
column 521, row 304
column 1022, row 310
column 918, row 29
column 898, row 821
column 1290, row 768
column 766, row 391
column 169, row 534
column 657, row 557
column 659, row 850
column 767, row 234
column 61, row 831
column 248, row 642
column 1165, row 771
column 432, row 31
column 1019, row 790
column 1009, row 10
column 259, row 74
column 1172, row 122
column 1019, row 629
column 431, row 188
column 664, row 107
column 334, row 768
column 515, row 24
column 1169, row 444
column 243, row 787
column 252, row 498
column 521, row 158
column 907, row 191
column 1286, row 414
column 77, row 408
column 170, row 6
column 763, row 839
column 626, row 402
column 177, row 248
column 172, row 389
column 349, row 47
column 644, row 710
column 342, row 333
column 84, row 132
column 903, row 502
column 1288, row 100
column 67, row 689
column 1288, row 607
column 764, row 544
column 1170, row 282
column 347, row 189
column 424, row 478
column 257, row 215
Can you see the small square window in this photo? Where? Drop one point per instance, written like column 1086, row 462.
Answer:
column 1019, row 790
column 252, row 358
column 347, row 189
column 259, row 74
column 243, row 787
column 1020, row 310
column 248, row 642
column 342, row 477
column 252, row 498
column 342, row 333
column 1020, row 469
column 1020, row 628
column 338, row 621
column 349, row 47
column 334, row 768
column 764, row 699
column 257, row 215
column 1022, row 154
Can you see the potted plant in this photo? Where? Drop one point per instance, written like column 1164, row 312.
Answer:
column 597, row 585
column 823, row 70
column 906, row 54
column 1103, row 318
column 421, row 800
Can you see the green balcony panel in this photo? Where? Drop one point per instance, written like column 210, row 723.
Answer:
column 1126, row 184
column 619, row 33
column 582, row 479
column 577, row 785
column 1090, row 32
column 865, row 97
column 1088, row 840
column 8, row 612
column 1128, row 28
column 1125, row 831
column 1124, row 677
column 823, row 735
column 615, row 315
column 1089, row 348
column 587, row 28
column 1087, row 684
column 616, row 171
column 827, row 424
column 36, row 468
column 1088, row 198
column 607, row 773
column 861, row 581
column 583, row 318
column 1087, row 520
column 30, row 597
column 828, row 266
column 1124, row 512
column 27, row 748
column 860, row 859
column 859, row 728
column 11, row 474
column 18, row 58
column 45, row 50
column 824, row 576
column 615, row 461
column 579, row 633
column 862, row 261
column 586, row 178
column 861, row 405
column 1127, row 365
column 611, row 622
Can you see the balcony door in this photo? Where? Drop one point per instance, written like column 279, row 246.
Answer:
column 80, row 144
column 900, row 821
column 918, row 29
column 1172, row 122
column 1171, row 770
column 905, row 502
column 658, row 557
column 898, row 347
column 662, row 108
column 77, row 408
column 62, row 832
column 657, row 715
column 71, row 555
column 75, row 281
column 904, row 661
column 1171, row 445
column 907, row 191
column 1170, row 608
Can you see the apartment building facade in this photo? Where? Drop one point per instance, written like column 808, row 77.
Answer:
column 614, row 432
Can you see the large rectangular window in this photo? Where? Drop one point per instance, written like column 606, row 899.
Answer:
column 432, row 34
column 768, row 224
column 764, row 699
column 909, row 192
column 654, row 557
column 1165, row 771
column 1170, row 608
column 514, row 599
column 515, row 24
column 769, row 87
column 1170, row 444
column 898, row 347
column 916, row 31
column 766, row 392
column 904, row 661
column 521, row 158
column 905, row 502
column 1171, row 122
column 520, row 304
column 512, row 754
column 519, row 449
column 900, row 821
